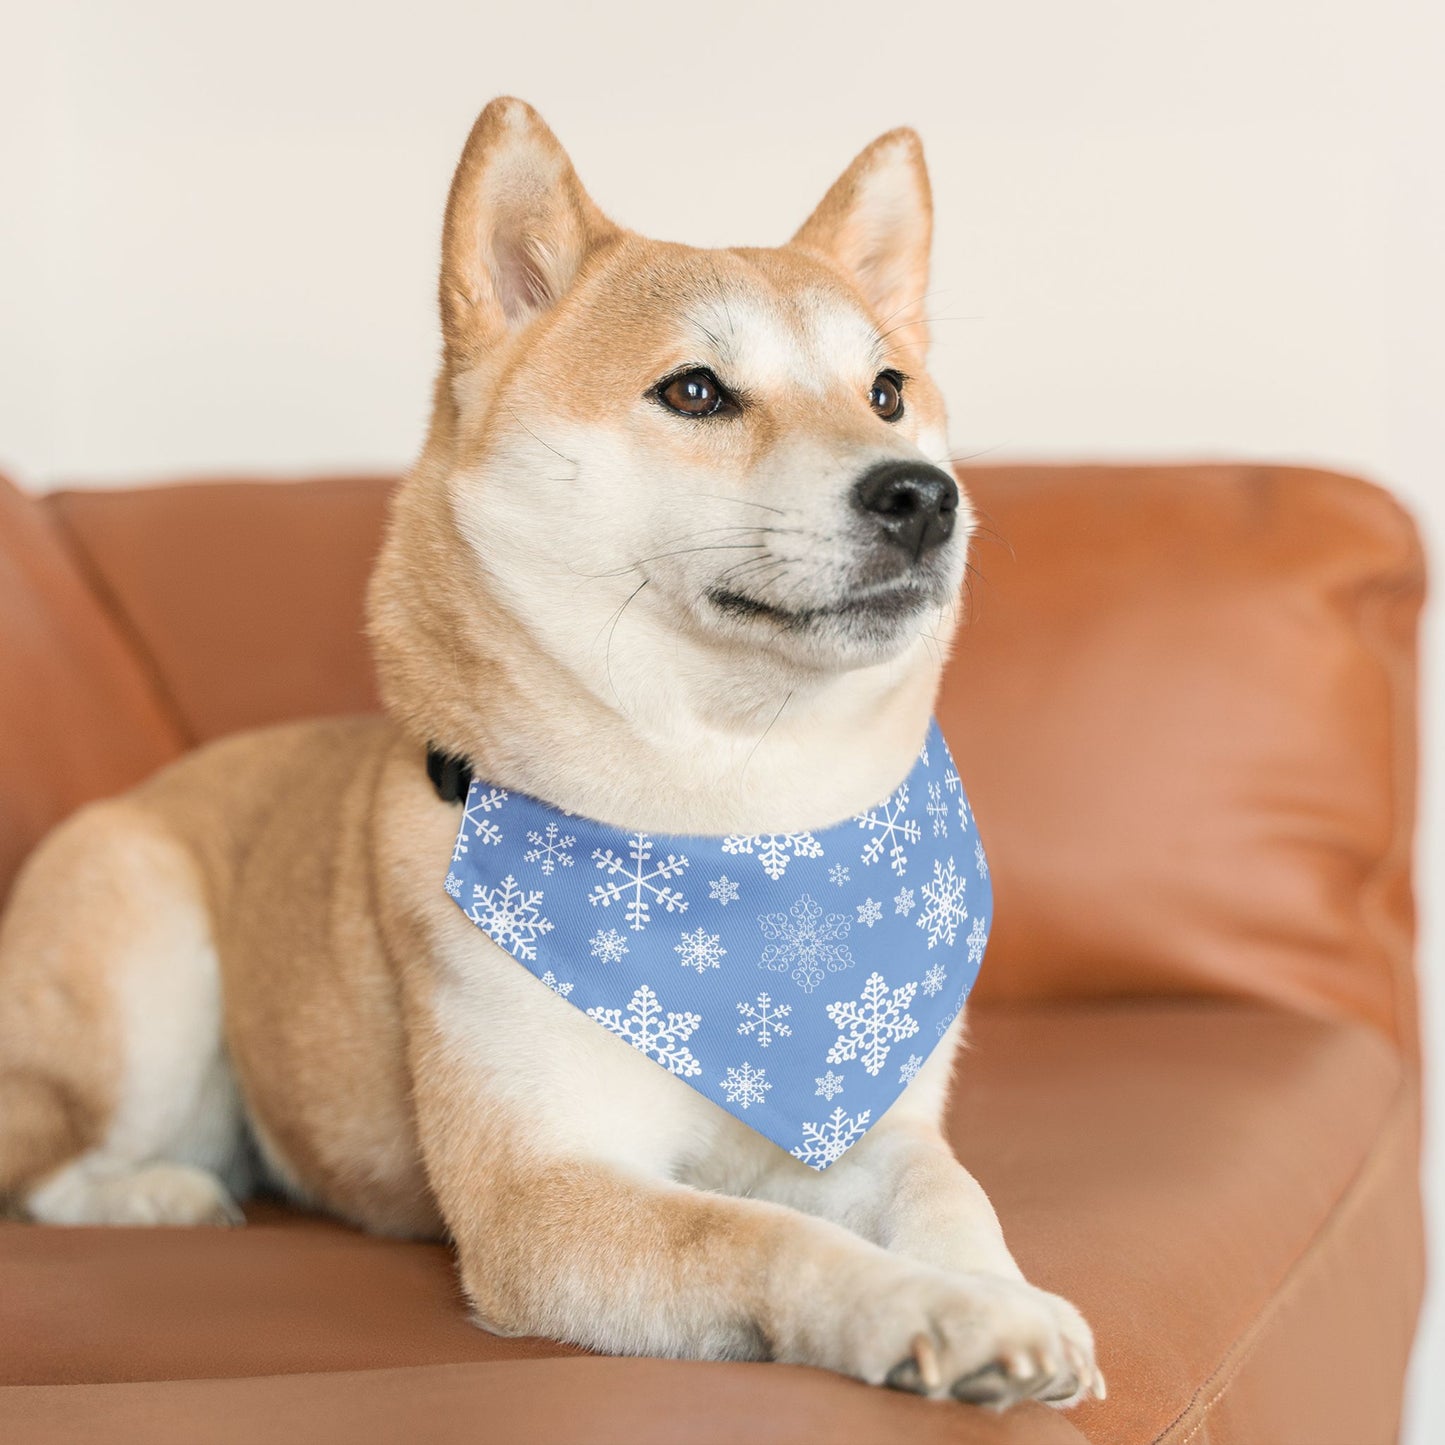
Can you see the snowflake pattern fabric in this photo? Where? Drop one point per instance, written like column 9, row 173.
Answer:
column 806, row 942
column 745, row 1085
column 797, row 980
column 871, row 1024
column 773, row 849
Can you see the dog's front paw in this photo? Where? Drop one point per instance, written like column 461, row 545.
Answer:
column 981, row 1338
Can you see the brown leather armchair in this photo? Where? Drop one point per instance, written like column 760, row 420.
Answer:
column 1184, row 705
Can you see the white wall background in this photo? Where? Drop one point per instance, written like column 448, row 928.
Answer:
column 1163, row 229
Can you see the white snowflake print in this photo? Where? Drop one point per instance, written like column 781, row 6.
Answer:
column 954, row 784
column 890, row 830
column 923, row 753
column 557, row 987
column 977, row 938
column 661, row 1036
column 551, row 851
column 979, row 858
column 933, row 979
column 723, row 891
column 829, row 1086
column 946, row 1023
column 745, row 1085
column 937, row 809
column 454, row 885
column 641, row 886
column 484, row 831
column 870, row 910
column 826, row 1143
column 701, row 950
column 871, row 1024
column 512, row 917
column 773, row 850
column 807, row 943
column 766, row 1017
column 908, row 1070
column 609, row 945
column 838, row 874
column 903, row 901
column 943, row 908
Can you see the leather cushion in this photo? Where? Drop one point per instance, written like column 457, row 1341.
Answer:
column 1171, row 1168
column 1184, row 709
column 79, row 716
column 248, row 596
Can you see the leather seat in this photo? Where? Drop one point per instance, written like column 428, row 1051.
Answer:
column 1184, row 708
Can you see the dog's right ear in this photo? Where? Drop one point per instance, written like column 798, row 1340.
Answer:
column 518, row 228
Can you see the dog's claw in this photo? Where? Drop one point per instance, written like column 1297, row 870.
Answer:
column 926, row 1354
column 905, row 1376
column 988, row 1386
column 1079, row 1380
column 1066, row 1391
column 1020, row 1365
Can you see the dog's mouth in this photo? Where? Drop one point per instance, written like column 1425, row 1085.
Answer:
column 887, row 604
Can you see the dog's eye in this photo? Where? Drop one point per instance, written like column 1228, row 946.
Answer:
column 694, row 393
column 886, row 397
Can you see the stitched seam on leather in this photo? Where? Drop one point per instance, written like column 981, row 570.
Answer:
column 1405, row 586
column 130, row 633
column 1242, row 1350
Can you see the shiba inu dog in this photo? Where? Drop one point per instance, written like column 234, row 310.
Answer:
column 676, row 555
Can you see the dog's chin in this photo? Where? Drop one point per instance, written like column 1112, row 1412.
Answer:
column 864, row 626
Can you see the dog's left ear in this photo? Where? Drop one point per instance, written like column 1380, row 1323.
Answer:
column 877, row 223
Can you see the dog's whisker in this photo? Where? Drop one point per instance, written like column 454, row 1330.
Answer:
column 659, row 556
column 761, row 579
column 763, row 737
column 740, row 569
column 749, row 529
column 741, row 502
column 607, row 655
column 881, row 336
column 737, row 568
column 916, row 301
column 571, row 461
column 915, row 321
column 805, row 581
column 966, row 456
column 991, row 530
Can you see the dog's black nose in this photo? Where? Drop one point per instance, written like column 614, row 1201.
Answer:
column 915, row 504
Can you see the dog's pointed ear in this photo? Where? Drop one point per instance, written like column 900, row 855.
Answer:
column 518, row 228
column 877, row 223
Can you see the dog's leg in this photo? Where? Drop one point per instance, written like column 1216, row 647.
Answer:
column 587, row 1253
column 901, row 1188
column 116, row 1103
column 550, row 1153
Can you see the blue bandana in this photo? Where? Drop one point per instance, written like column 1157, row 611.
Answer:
column 798, row 980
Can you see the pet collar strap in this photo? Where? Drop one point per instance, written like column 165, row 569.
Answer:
column 450, row 775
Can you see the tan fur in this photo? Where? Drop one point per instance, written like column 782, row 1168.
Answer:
column 256, row 942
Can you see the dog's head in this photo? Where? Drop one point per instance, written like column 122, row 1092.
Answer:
column 739, row 451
